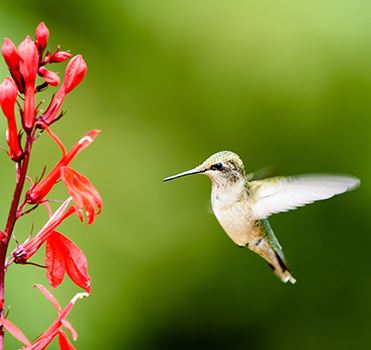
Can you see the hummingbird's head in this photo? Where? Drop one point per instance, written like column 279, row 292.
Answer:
column 222, row 168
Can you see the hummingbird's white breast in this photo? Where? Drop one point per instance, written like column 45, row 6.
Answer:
column 231, row 206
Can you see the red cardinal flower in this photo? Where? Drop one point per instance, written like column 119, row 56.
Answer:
column 62, row 255
column 38, row 192
column 28, row 66
column 56, row 328
column 74, row 74
column 8, row 98
column 83, row 194
column 23, row 252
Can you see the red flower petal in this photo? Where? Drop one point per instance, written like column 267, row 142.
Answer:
column 63, row 252
column 55, row 260
column 49, row 296
column 64, row 342
column 83, row 194
column 76, row 264
column 15, row 332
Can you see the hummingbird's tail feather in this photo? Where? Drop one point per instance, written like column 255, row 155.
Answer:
column 268, row 247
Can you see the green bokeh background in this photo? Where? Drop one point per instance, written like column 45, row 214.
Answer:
column 283, row 83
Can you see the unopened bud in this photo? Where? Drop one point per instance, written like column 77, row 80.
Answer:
column 75, row 73
column 42, row 35
column 29, row 60
column 56, row 57
column 10, row 54
column 50, row 77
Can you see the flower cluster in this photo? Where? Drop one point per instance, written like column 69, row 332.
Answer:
column 27, row 65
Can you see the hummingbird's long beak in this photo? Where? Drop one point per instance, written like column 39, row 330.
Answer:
column 185, row 173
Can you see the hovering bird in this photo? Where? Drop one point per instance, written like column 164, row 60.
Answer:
column 242, row 205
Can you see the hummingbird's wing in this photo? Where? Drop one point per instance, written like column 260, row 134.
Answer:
column 278, row 194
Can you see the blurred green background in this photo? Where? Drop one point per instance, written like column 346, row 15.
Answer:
column 286, row 84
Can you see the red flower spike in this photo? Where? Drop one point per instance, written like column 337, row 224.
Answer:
column 56, row 57
column 38, row 192
column 50, row 77
column 25, row 251
column 42, row 36
column 56, row 328
column 83, row 194
column 8, row 98
column 28, row 66
column 75, row 73
column 11, row 57
column 62, row 255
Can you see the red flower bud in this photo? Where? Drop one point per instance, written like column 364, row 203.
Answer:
column 11, row 57
column 29, row 60
column 28, row 66
column 59, row 56
column 8, row 98
column 50, row 77
column 42, row 35
column 75, row 73
column 10, row 54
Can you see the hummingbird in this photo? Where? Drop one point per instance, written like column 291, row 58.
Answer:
column 242, row 205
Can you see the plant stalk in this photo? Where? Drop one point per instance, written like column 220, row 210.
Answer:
column 21, row 173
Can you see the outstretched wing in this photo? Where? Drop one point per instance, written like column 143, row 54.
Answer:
column 279, row 194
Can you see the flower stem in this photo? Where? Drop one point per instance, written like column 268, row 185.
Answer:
column 21, row 172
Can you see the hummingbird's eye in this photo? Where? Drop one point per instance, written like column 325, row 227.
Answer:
column 216, row 166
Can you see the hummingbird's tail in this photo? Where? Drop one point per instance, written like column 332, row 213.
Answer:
column 269, row 248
